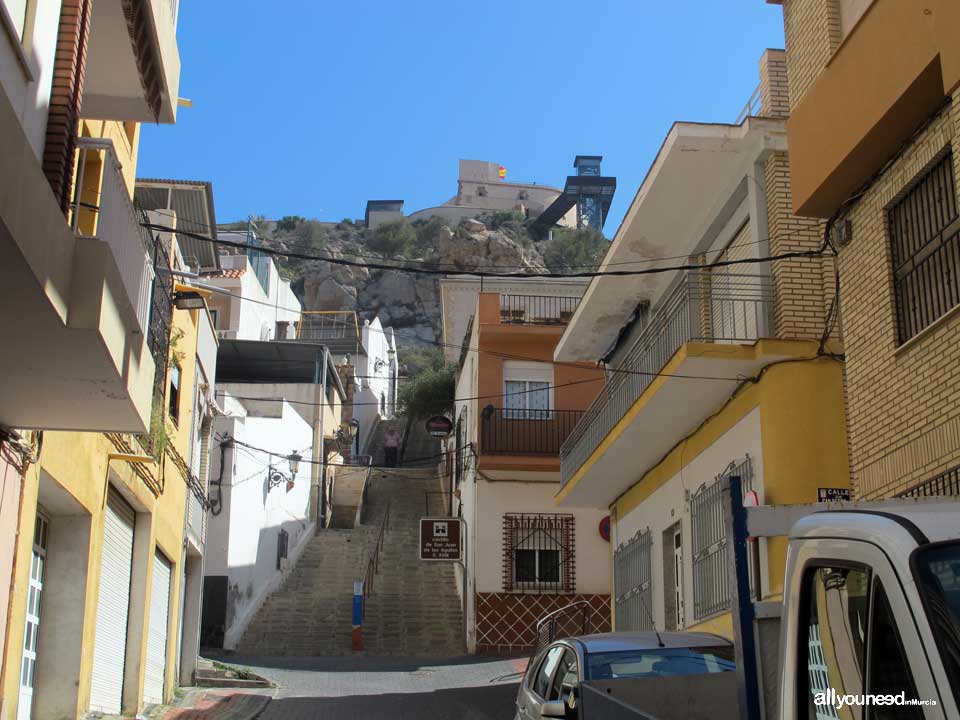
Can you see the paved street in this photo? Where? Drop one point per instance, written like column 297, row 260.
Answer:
column 350, row 688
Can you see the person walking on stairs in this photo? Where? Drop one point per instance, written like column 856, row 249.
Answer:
column 391, row 446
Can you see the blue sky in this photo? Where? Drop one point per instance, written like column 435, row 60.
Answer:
column 312, row 107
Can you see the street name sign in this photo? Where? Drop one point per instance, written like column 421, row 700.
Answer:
column 440, row 538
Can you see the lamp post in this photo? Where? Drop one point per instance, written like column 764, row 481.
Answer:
column 275, row 476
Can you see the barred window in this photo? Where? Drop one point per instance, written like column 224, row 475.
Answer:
column 710, row 591
column 925, row 248
column 633, row 583
column 538, row 552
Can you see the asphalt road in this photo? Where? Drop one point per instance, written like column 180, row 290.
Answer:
column 349, row 688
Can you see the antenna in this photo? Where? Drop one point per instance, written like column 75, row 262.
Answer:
column 653, row 625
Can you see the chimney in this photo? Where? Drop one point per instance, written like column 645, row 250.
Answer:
column 774, row 99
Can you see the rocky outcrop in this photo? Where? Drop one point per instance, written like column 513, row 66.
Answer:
column 408, row 302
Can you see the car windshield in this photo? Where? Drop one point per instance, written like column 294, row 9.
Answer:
column 937, row 570
column 658, row 662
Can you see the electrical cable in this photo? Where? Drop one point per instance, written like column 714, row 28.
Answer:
column 494, row 353
column 454, row 270
column 470, row 273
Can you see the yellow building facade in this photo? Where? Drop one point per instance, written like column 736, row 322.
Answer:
column 73, row 496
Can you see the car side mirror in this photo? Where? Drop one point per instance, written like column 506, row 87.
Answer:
column 555, row 709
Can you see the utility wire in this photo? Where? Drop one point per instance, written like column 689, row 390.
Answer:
column 494, row 353
column 454, row 270
column 472, row 273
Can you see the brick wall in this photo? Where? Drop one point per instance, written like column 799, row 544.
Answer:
column 774, row 93
column 507, row 622
column 66, row 94
column 903, row 403
column 811, row 30
column 803, row 287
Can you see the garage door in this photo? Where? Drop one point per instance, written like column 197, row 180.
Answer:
column 110, row 642
column 156, row 667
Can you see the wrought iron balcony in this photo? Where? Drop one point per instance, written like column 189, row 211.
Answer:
column 704, row 306
column 537, row 309
column 505, row 431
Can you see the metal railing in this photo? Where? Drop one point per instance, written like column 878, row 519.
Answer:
column 632, row 580
column 539, row 552
column 328, row 325
column 752, row 108
column 507, row 431
column 537, row 309
column 101, row 209
column 550, row 625
column 944, row 484
column 373, row 562
column 704, row 306
column 710, row 558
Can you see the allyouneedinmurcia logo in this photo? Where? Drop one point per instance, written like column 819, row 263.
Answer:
column 838, row 701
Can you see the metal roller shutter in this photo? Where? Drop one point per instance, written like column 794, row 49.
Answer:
column 156, row 668
column 113, row 603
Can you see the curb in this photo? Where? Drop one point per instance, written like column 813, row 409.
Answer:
column 221, row 706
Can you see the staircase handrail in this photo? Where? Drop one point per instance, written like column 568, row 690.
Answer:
column 373, row 562
column 549, row 622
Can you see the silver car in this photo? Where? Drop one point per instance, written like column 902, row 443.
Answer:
column 550, row 687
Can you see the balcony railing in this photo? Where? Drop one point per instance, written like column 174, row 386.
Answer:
column 328, row 325
column 705, row 306
column 505, row 431
column 537, row 309
column 101, row 209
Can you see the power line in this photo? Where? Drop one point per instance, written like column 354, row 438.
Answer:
column 225, row 394
column 494, row 353
column 796, row 254
column 453, row 268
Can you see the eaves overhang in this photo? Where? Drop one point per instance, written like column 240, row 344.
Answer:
column 698, row 169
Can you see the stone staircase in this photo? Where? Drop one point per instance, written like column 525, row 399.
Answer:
column 413, row 609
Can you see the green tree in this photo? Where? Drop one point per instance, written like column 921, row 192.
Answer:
column 430, row 392
column 573, row 250
column 393, row 238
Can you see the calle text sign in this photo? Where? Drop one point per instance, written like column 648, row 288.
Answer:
column 440, row 538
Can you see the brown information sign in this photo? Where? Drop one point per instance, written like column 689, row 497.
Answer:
column 440, row 538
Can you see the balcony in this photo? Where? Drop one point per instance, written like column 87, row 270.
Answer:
column 102, row 210
column 537, row 309
column 132, row 68
column 689, row 357
column 505, row 431
column 327, row 325
column 70, row 307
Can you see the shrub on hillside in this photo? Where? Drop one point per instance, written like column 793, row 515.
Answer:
column 393, row 238
column 575, row 250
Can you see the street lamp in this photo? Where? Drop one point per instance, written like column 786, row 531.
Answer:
column 275, row 476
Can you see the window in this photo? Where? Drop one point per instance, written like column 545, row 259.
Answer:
column 538, row 552
column 541, row 683
column 215, row 318
column 565, row 678
column 888, row 673
column 937, row 571
column 174, row 408
column 663, row 662
column 527, row 388
column 925, row 250
column 833, row 627
column 632, row 581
